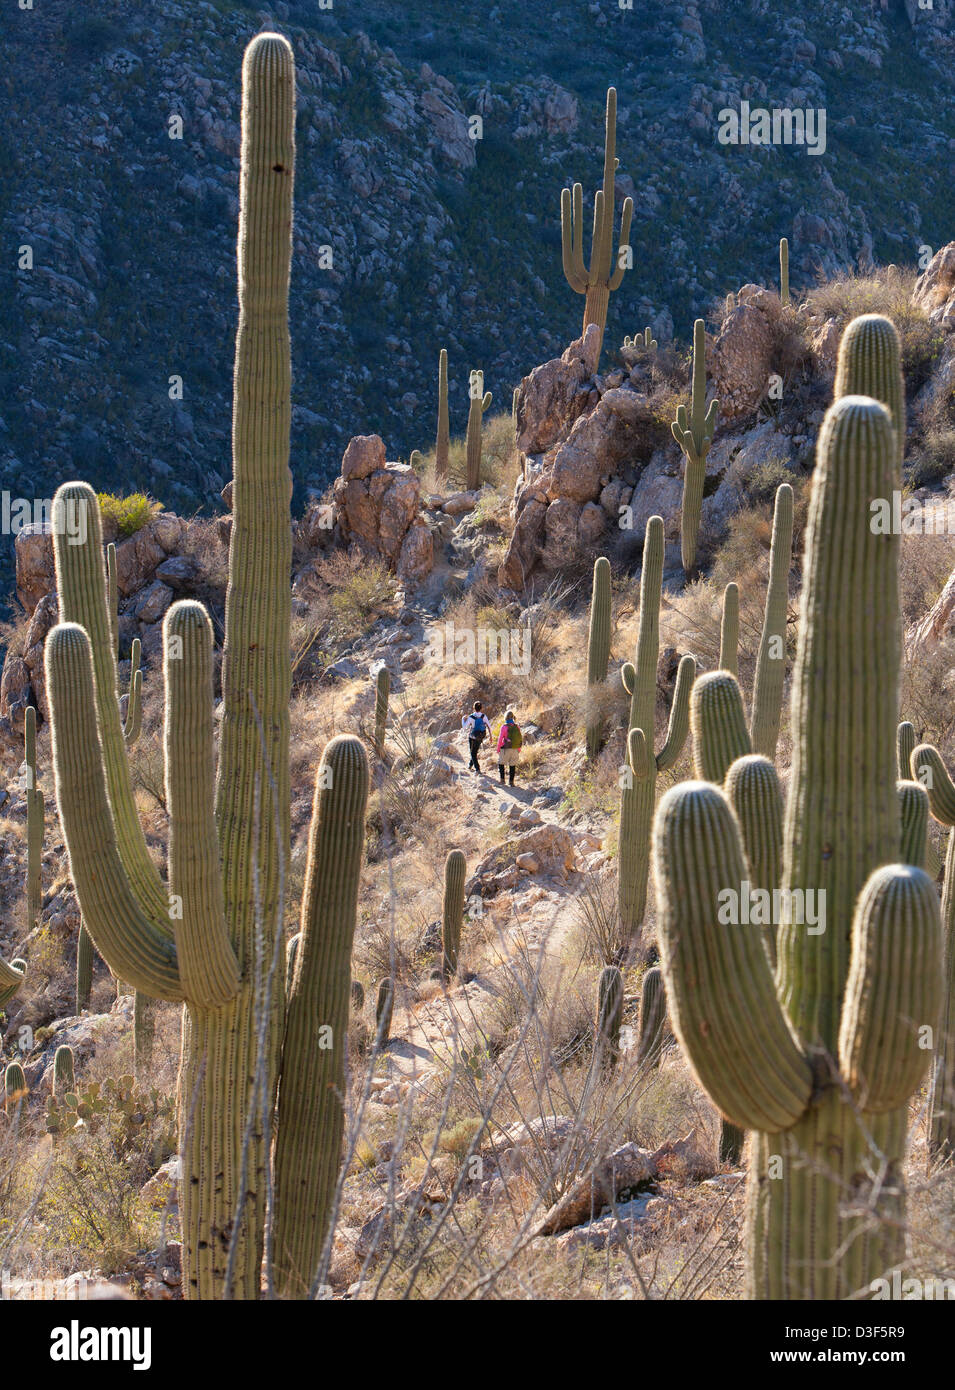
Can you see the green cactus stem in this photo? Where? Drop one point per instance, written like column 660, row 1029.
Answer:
column 132, row 725
column 311, row 1113
column 771, row 657
column 452, row 911
column 34, row 799
column 784, row 270
column 63, row 1073
column 694, row 434
column 654, row 1033
column 382, row 692
column 639, row 776
column 729, row 630
column 14, row 1088
column 799, row 1055
column 384, row 1007
column 720, row 735
column 357, row 996
column 870, row 364
column 598, row 650
column 604, row 273
column 609, row 1017
column 480, row 403
column 442, row 443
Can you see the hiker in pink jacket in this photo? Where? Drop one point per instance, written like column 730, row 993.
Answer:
column 509, row 742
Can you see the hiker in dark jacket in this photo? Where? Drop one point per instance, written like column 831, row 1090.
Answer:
column 509, row 742
column 477, row 727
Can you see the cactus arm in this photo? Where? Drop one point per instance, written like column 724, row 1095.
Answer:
column 112, row 595
column 11, row 978
column 905, row 742
column 729, row 631
column 929, row 770
column 616, row 278
column 311, row 1096
column 720, row 735
column 207, row 964
column 719, row 981
column 679, row 725
column 134, row 710
column 82, row 590
column 35, row 820
column 752, row 787
column 894, row 987
column 628, row 677
column 129, row 940
column 571, row 211
column 771, row 658
column 913, row 815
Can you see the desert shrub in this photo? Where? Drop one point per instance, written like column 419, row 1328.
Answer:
column 128, row 514
column 846, row 297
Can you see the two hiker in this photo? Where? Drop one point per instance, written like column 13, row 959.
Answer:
column 509, row 740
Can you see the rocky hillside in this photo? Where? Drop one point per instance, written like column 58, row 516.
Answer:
column 117, row 287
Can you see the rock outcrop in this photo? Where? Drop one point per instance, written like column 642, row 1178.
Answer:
column 378, row 509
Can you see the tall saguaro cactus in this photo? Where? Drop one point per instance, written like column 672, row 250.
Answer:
column 771, row 657
column 212, row 936
column 452, row 911
column 870, row 364
column 382, row 692
column 35, row 810
column 480, row 402
column 821, row 1058
column 694, row 434
column 598, row 649
column 604, row 274
column 442, row 443
column 639, row 777
column 729, row 630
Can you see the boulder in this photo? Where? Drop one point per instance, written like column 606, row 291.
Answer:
column 935, row 288
column 742, row 360
column 33, row 548
column 556, row 393
column 364, row 455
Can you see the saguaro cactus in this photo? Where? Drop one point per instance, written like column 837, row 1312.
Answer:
column 821, row 1059
column 452, row 911
column 14, row 1087
column 480, row 402
column 784, row 270
column 609, row 1016
column 598, row 649
column 653, row 1019
column 382, row 692
column 644, row 340
column 603, row 274
column 930, row 771
column 694, row 434
column 729, row 630
column 384, row 1007
column 63, row 1074
column 771, row 658
column 34, row 821
column 133, row 723
column 639, row 777
column 212, row 937
column 311, row 1116
column 442, row 443
column 870, row 364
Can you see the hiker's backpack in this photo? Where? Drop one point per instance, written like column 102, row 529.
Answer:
column 476, row 730
column 515, row 738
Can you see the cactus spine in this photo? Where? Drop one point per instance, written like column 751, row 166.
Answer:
column 311, row 1116
column 382, row 691
column 609, row 1016
column 34, row 821
column 784, row 270
column 653, row 1019
column 63, row 1074
column 639, row 779
column 598, row 649
column 857, row 992
column 211, row 938
column 694, row 434
column 442, row 443
column 452, row 911
column 603, row 275
column 480, row 402
column 729, row 630
column 771, row 658
column 14, row 1087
